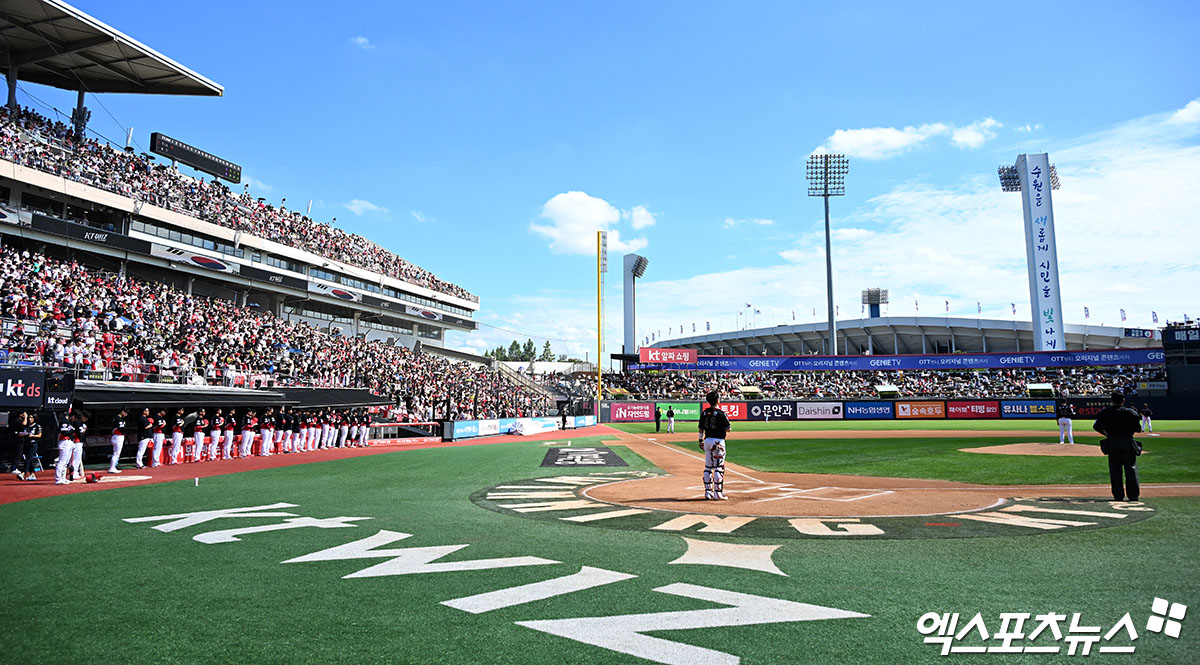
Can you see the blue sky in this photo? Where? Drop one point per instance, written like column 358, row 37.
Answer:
column 488, row 141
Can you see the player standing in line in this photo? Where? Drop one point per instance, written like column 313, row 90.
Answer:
column 145, row 426
column 714, row 428
column 1065, row 424
column 343, row 430
column 215, row 434
column 198, row 428
column 68, row 434
column 1145, row 412
column 229, row 429
column 158, row 434
column 77, row 450
column 364, row 429
column 326, row 429
column 283, row 437
column 267, row 432
column 118, row 438
column 176, row 437
column 314, row 431
column 670, row 420
column 248, row 423
column 353, row 436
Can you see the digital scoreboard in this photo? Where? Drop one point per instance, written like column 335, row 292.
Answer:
column 161, row 144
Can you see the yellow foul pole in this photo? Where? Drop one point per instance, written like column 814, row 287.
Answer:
column 599, row 328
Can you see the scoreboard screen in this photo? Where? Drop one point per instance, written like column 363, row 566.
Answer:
column 196, row 158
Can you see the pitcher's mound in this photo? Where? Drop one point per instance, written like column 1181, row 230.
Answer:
column 1050, row 449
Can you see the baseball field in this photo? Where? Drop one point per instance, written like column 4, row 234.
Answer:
column 856, row 543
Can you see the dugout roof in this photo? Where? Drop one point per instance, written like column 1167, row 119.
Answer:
column 55, row 44
column 115, row 394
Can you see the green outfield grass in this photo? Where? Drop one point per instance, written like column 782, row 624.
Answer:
column 82, row 586
column 1082, row 427
column 1168, row 459
column 1173, row 460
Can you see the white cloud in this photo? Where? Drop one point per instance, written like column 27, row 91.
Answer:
column 1186, row 115
column 881, row 142
column 1027, row 128
column 575, row 217
column 642, row 218
column 886, row 142
column 258, row 186
column 975, row 134
column 363, row 43
column 730, row 222
column 360, row 206
column 419, row 216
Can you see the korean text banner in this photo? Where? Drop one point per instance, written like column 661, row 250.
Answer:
column 761, row 410
column 683, row 410
column 973, row 409
column 652, row 355
column 1028, row 409
column 868, row 410
column 920, row 409
column 631, row 411
column 948, row 361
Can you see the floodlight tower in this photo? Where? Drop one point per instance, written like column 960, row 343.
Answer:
column 873, row 298
column 1034, row 176
column 827, row 177
column 635, row 267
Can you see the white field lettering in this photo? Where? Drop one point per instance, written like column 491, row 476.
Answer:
column 620, row 633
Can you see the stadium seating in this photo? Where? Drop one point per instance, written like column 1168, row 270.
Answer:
column 35, row 141
column 1081, row 381
column 64, row 314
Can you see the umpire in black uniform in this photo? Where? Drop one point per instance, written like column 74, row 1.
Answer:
column 1118, row 423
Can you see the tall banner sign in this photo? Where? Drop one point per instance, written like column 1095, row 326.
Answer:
column 1041, row 252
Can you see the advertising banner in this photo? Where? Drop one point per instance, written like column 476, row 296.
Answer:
column 1028, row 409
column 489, row 427
column 21, row 389
column 733, row 410
column 584, row 421
column 1089, row 407
column 680, row 356
column 868, row 410
column 928, row 361
column 88, row 233
column 973, row 409
column 273, row 278
column 908, row 410
column 818, row 410
column 1152, row 385
column 762, row 410
column 683, row 410
column 464, row 429
column 1180, row 336
column 1139, row 333
column 624, row 412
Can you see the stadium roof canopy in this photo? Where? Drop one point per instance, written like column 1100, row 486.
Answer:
column 904, row 335
column 52, row 43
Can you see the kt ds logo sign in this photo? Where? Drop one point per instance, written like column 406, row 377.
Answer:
column 21, row 389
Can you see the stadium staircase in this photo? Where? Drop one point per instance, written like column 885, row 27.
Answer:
column 522, row 380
